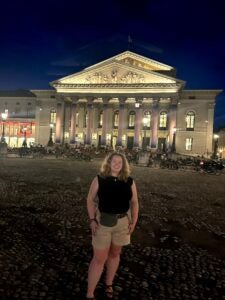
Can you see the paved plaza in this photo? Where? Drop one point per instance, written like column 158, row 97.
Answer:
column 177, row 250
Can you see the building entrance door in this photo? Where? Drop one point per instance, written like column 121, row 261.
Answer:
column 162, row 144
column 145, row 142
column 99, row 140
column 130, row 142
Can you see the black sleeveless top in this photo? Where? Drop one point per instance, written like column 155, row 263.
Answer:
column 114, row 194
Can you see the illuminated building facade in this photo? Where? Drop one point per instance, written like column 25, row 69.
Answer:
column 127, row 100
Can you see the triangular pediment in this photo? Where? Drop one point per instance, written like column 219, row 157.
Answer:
column 116, row 72
column 121, row 74
column 126, row 68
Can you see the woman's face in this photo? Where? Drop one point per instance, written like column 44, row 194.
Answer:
column 116, row 164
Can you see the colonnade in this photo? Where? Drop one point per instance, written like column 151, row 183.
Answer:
column 90, row 109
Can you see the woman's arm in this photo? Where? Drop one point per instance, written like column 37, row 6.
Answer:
column 134, row 206
column 91, row 206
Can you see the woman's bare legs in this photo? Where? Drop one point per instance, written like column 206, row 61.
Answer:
column 112, row 263
column 95, row 269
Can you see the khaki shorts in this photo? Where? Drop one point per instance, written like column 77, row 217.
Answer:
column 117, row 235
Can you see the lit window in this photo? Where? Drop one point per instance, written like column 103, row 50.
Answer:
column 53, row 116
column 163, row 120
column 147, row 116
column 190, row 120
column 189, row 144
column 116, row 119
column 131, row 120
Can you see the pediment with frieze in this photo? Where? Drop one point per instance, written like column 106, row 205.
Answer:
column 116, row 73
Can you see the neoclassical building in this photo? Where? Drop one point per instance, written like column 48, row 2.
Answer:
column 127, row 100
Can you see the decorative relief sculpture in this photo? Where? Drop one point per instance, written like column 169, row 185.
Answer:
column 114, row 76
column 129, row 77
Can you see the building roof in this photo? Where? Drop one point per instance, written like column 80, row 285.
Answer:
column 17, row 93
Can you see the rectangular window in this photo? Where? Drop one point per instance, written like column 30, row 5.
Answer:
column 189, row 144
column 131, row 120
column 190, row 122
column 53, row 117
column 163, row 121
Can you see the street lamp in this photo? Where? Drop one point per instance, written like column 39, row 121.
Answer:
column 4, row 116
column 25, row 137
column 174, row 140
column 145, row 121
column 216, row 140
column 50, row 142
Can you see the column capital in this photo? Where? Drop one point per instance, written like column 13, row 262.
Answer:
column 105, row 99
column 74, row 99
column 90, row 99
column 122, row 99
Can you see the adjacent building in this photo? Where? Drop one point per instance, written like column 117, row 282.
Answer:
column 127, row 100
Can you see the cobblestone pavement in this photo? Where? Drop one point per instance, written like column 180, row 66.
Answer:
column 177, row 250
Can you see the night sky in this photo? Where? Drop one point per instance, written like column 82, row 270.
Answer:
column 41, row 41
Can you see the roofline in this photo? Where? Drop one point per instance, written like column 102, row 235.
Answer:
column 132, row 53
column 205, row 91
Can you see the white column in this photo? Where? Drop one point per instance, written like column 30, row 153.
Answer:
column 89, row 121
column 73, row 123
column 121, row 126
column 154, row 123
column 104, row 124
column 138, row 127
column 59, row 130
column 172, row 121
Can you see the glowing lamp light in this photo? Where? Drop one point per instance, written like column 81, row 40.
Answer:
column 4, row 116
column 137, row 104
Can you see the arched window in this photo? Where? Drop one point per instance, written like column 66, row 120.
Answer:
column 190, row 120
column 163, row 120
column 147, row 116
column 53, row 116
column 116, row 119
column 131, row 120
column 100, row 119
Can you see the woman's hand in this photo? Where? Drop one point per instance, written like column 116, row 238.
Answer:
column 93, row 226
column 131, row 228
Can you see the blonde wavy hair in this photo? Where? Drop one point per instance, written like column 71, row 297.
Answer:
column 105, row 169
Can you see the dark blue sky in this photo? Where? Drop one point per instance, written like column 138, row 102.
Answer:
column 41, row 41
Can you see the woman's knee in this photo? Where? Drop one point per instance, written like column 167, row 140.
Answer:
column 100, row 256
column 114, row 252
